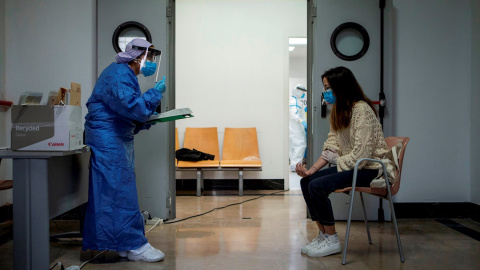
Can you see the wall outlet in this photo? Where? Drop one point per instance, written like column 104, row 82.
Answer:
column 153, row 221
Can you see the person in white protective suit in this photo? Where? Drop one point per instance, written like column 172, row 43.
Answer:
column 298, row 125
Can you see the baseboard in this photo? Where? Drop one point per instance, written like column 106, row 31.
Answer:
column 231, row 184
column 438, row 210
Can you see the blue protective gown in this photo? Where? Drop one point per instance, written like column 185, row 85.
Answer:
column 116, row 111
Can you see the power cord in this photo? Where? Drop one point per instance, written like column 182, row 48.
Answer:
column 146, row 213
column 83, row 264
column 154, row 225
column 60, row 264
column 76, row 267
column 222, row 207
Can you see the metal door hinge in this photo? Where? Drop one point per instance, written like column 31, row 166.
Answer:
column 169, row 200
column 313, row 9
column 169, row 13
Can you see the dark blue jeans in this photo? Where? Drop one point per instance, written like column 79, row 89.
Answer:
column 318, row 186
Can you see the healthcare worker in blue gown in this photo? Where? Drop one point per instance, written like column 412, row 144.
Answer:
column 117, row 111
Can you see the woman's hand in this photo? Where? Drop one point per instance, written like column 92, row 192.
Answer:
column 301, row 170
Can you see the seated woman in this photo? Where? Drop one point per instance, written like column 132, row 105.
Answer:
column 355, row 133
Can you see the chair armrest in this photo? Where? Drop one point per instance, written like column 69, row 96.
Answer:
column 355, row 170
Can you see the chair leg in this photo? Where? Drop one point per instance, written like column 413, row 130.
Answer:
column 344, row 258
column 366, row 219
column 399, row 243
column 394, row 218
column 199, row 182
column 240, row 182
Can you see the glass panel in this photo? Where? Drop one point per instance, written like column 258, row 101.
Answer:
column 349, row 42
column 127, row 35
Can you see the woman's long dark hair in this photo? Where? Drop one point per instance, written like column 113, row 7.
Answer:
column 347, row 92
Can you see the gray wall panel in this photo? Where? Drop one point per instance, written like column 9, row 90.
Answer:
column 432, row 86
column 474, row 103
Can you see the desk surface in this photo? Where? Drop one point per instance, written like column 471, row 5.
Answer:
column 8, row 153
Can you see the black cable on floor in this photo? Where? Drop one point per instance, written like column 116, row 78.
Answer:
column 222, row 207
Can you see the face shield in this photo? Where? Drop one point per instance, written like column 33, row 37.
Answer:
column 150, row 62
column 299, row 90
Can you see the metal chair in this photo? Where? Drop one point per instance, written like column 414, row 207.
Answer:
column 384, row 193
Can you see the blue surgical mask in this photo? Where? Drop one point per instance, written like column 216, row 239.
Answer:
column 328, row 96
column 149, row 68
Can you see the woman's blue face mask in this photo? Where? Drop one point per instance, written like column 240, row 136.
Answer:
column 328, row 96
column 149, row 68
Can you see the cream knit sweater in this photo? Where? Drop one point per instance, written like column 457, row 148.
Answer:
column 363, row 138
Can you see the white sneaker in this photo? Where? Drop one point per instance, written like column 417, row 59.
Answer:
column 146, row 253
column 122, row 254
column 315, row 242
column 327, row 247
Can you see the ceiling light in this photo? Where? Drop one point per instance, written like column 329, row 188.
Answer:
column 297, row 41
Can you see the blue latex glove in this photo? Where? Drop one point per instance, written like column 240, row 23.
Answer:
column 153, row 123
column 160, row 86
column 304, row 125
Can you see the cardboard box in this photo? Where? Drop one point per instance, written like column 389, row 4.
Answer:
column 46, row 128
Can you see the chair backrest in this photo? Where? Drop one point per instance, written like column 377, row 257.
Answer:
column 240, row 148
column 391, row 142
column 202, row 139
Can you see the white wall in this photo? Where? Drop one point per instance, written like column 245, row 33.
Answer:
column 474, row 103
column 433, row 85
column 48, row 44
column 232, row 68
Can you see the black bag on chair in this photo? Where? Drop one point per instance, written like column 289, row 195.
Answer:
column 186, row 154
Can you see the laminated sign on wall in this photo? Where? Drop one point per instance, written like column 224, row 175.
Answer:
column 46, row 128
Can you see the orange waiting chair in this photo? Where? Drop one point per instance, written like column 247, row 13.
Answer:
column 204, row 140
column 383, row 193
column 240, row 152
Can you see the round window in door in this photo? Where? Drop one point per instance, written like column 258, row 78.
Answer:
column 127, row 31
column 350, row 41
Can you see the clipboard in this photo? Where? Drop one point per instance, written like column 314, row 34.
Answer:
column 171, row 115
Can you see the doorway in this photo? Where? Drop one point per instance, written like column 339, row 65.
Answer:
column 232, row 71
column 297, row 81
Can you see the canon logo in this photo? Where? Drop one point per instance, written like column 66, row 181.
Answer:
column 27, row 128
column 55, row 144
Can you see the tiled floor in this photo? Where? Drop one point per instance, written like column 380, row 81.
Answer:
column 268, row 233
